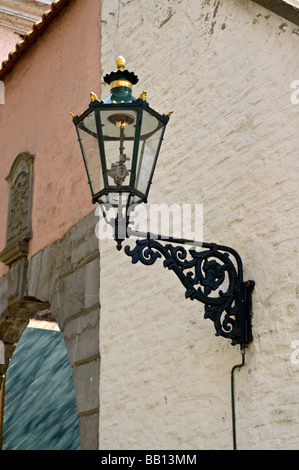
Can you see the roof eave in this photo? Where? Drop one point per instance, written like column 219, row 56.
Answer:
column 287, row 11
column 29, row 38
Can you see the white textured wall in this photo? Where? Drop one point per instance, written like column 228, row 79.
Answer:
column 226, row 69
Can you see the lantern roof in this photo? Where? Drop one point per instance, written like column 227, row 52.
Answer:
column 121, row 73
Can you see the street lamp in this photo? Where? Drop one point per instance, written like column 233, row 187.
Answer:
column 120, row 140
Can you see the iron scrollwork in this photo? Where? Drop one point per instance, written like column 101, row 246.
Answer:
column 209, row 276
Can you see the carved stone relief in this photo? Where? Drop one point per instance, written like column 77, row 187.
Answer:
column 19, row 229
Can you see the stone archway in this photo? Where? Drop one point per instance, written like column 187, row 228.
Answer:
column 63, row 278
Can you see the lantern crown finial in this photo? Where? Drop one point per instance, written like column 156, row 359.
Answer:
column 120, row 63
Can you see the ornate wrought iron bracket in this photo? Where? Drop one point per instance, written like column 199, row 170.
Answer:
column 214, row 276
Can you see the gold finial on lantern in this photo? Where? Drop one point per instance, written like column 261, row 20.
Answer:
column 121, row 63
column 93, row 96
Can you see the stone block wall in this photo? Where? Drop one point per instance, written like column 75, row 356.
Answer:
column 73, row 266
column 226, row 69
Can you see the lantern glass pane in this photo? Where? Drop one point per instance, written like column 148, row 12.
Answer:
column 150, row 125
column 118, row 168
column 111, row 121
column 89, row 141
column 118, row 128
column 151, row 134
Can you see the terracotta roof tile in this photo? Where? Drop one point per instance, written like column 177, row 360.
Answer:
column 38, row 28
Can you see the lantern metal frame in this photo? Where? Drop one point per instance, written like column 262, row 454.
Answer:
column 139, row 105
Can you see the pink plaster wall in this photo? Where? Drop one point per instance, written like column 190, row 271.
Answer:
column 8, row 40
column 54, row 76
